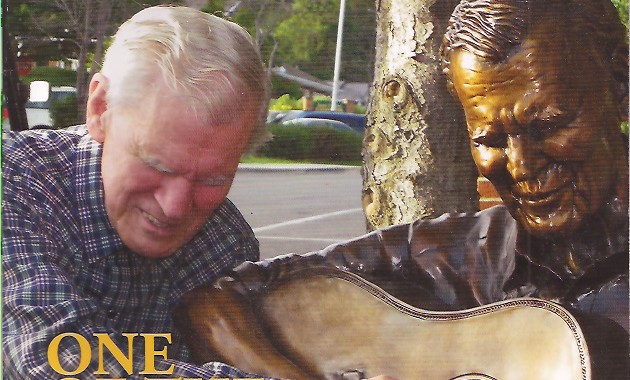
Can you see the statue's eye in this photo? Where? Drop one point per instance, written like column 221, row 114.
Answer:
column 491, row 140
column 541, row 131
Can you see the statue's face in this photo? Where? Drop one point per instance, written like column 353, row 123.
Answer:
column 544, row 130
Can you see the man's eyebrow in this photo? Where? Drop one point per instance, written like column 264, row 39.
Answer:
column 213, row 180
column 157, row 165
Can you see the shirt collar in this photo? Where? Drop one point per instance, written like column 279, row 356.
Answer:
column 99, row 236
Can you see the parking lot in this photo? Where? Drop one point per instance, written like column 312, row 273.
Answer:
column 295, row 210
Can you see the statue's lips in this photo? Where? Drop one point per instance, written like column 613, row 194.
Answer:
column 543, row 198
column 546, row 209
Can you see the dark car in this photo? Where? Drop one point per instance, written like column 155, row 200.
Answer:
column 354, row 120
column 312, row 122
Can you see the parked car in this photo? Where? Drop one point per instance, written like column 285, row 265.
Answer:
column 278, row 117
column 312, row 122
column 38, row 106
column 354, row 120
column 38, row 112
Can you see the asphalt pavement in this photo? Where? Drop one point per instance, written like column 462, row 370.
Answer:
column 299, row 208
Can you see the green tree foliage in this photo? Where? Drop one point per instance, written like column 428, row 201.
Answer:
column 258, row 17
column 69, row 29
column 247, row 19
column 359, row 41
column 622, row 8
column 39, row 32
column 261, row 18
column 307, row 38
column 214, row 7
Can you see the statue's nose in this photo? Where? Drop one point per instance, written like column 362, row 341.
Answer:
column 524, row 157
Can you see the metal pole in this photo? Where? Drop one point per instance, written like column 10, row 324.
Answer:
column 342, row 12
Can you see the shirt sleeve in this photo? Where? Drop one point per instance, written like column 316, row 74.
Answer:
column 40, row 302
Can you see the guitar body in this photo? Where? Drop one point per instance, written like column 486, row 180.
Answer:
column 323, row 323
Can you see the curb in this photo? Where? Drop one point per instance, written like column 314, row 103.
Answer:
column 293, row 167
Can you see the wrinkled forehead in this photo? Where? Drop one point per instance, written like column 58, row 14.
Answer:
column 545, row 66
column 521, row 91
column 475, row 78
column 219, row 100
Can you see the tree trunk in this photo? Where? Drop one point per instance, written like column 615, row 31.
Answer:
column 83, row 36
column 103, row 19
column 416, row 153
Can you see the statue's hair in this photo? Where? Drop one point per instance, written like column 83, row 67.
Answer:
column 192, row 53
column 495, row 29
column 486, row 28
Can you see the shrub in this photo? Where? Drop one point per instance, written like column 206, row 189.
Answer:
column 360, row 109
column 64, row 112
column 331, row 145
column 53, row 75
column 314, row 144
column 285, row 103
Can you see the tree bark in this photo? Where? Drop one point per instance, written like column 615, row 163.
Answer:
column 15, row 91
column 103, row 20
column 416, row 153
column 83, row 36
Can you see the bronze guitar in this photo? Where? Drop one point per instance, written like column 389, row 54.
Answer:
column 324, row 323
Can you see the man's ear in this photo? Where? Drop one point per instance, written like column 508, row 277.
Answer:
column 96, row 107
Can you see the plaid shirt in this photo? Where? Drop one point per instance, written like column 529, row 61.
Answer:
column 65, row 269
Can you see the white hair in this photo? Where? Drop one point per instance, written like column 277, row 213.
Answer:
column 195, row 54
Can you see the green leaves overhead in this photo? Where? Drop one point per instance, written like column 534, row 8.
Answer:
column 308, row 38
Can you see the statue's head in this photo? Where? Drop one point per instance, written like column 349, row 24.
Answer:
column 543, row 84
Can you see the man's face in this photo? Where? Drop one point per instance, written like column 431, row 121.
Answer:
column 165, row 170
column 543, row 130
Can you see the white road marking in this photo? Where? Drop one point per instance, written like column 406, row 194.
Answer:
column 300, row 239
column 307, row 219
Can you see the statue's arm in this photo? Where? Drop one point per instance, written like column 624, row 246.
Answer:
column 222, row 326
column 453, row 262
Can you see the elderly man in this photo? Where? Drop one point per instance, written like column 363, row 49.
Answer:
column 105, row 226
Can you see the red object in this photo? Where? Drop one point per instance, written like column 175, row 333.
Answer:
column 24, row 67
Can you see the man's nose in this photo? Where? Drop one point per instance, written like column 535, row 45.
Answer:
column 175, row 197
column 524, row 157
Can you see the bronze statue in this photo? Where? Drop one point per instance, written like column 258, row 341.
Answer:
column 323, row 323
column 544, row 91
column 544, row 87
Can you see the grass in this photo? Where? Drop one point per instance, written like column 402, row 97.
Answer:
column 267, row 160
